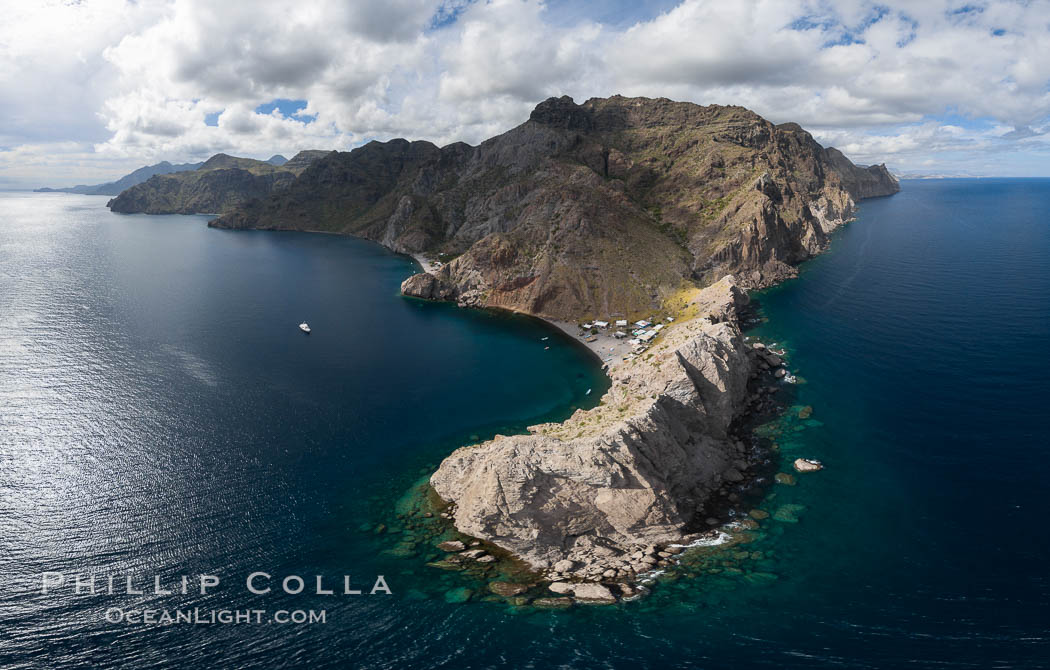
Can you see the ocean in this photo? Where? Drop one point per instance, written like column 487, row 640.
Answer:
column 162, row 415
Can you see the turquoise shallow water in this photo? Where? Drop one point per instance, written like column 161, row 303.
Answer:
column 160, row 413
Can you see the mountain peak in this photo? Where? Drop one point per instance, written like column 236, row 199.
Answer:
column 561, row 112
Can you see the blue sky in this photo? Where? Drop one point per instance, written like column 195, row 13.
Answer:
column 931, row 87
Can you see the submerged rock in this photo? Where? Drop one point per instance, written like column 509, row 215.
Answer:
column 761, row 578
column 784, row 478
column 507, row 589
column 460, row 595
column 552, row 603
column 788, row 513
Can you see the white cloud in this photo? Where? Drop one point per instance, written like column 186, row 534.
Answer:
column 103, row 86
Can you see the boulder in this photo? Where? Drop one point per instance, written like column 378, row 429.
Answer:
column 808, row 465
column 452, row 545
column 593, row 593
column 563, row 566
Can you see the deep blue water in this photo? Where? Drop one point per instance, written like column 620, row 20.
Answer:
column 160, row 413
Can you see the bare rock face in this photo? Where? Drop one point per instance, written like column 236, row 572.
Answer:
column 426, row 286
column 630, row 473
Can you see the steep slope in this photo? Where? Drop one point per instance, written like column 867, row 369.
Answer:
column 127, row 181
column 586, row 210
column 220, row 184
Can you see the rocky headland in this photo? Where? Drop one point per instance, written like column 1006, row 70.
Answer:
column 617, row 206
column 591, row 498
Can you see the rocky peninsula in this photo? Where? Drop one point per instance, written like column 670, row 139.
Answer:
column 592, row 497
column 614, row 207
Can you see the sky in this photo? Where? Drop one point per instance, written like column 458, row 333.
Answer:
column 92, row 89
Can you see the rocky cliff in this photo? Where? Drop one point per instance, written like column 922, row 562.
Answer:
column 220, row 184
column 634, row 472
column 586, row 210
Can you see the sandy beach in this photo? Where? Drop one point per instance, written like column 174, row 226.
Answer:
column 429, row 266
column 609, row 349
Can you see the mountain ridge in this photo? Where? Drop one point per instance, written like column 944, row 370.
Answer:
column 609, row 206
column 219, row 184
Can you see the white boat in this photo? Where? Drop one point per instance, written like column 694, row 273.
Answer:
column 305, row 327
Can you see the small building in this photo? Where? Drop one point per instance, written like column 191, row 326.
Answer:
column 642, row 324
column 621, row 323
column 587, row 326
column 602, row 324
column 658, row 327
column 619, row 334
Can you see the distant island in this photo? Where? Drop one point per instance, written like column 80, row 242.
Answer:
column 138, row 176
column 619, row 211
column 127, row 181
